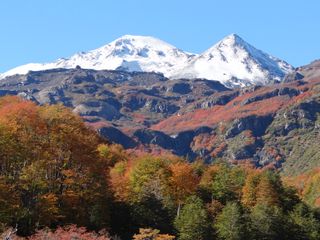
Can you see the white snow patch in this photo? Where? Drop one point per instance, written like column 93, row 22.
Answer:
column 231, row 61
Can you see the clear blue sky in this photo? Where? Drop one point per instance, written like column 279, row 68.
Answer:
column 44, row 30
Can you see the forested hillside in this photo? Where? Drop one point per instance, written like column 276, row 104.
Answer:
column 58, row 176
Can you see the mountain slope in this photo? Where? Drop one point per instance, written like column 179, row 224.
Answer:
column 129, row 53
column 231, row 61
column 235, row 62
column 270, row 126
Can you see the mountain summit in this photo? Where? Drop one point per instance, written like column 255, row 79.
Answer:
column 128, row 53
column 234, row 62
column 231, row 61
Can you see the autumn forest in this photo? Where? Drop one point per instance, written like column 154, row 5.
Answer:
column 59, row 179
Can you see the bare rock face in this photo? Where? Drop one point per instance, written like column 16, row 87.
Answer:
column 293, row 76
column 97, row 109
column 256, row 124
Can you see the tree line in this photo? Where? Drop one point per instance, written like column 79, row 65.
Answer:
column 56, row 172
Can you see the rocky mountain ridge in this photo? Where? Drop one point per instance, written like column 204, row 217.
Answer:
column 232, row 61
column 269, row 126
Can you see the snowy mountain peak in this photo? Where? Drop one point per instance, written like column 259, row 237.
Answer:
column 235, row 62
column 232, row 61
column 235, row 42
column 232, row 39
column 129, row 45
column 143, row 47
column 128, row 53
column 135, row 40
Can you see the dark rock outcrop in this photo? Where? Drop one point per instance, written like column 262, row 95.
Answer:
column 293, row 76
column 256, row 124
column 277, row 92
column 147, row 136
column 114, row 135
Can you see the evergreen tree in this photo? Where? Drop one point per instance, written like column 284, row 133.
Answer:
column 223, row 182
column 268, row 223
column 230, row 223
column 304, row 218
column 193, row 221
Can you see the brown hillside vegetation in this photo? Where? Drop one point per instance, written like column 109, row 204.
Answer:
column 242, row 106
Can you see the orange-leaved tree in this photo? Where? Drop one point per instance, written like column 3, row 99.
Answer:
column 183, row 182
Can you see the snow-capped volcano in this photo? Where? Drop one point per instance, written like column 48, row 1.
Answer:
column 232, row 61
column 235, row 62
column 128, row 53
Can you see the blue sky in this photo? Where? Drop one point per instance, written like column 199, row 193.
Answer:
column 44, row 30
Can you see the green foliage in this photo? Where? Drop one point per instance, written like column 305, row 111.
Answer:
column 193, row 221
column 224, row 183
column 268, row 222
column 311, row 191
column 149, row 175
column 230, row 223
column 111, row 153
column 305, row 220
